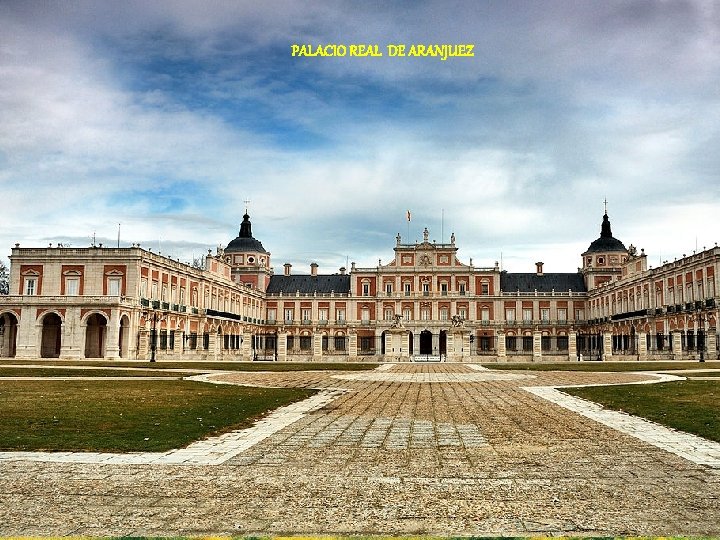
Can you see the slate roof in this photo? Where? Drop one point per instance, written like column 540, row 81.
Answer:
column 245, row 241
column 337, row 283
column 606, row 242
column 542, row 283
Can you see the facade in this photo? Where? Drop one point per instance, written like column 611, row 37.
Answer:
column 424, row 304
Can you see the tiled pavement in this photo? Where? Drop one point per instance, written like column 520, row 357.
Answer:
column 434, row 448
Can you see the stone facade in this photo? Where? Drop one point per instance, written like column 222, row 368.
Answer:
column 423, row 305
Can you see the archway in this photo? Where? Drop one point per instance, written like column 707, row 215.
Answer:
column 443, row 342
column 50, row 339
column 95, row 332
column 382, row 342
column 8, row 335
column 425, row 342
column 124, row 337
column 410, row 343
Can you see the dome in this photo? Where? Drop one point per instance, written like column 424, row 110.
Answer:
column 606, row 242
column 245, row 241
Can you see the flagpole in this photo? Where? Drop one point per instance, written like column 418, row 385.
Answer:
column 408, row 227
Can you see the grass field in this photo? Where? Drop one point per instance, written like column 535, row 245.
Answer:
column 690, row 406
column 229, row 365
column 604, row 366
column 127, row 415
column 84, row 372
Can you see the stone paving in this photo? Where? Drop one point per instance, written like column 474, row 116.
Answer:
column 409, row 449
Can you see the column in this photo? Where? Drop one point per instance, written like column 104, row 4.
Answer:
column 501, row 344
column 352, row 345
column 246, row 347
column 143, row 351
column 72, row 335
column 317, row 346
column 112, row 343
column 642, row 346
column 607, row 345
column 28, row 335
column 282, row 346
column 537, row 345
column 676, row 344
column 711, row 344
column 572, row 346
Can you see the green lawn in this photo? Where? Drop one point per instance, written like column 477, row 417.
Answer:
column 691, row 406
column 65, row 372
column 228, row 365
column 604, row 366
column 127, row 415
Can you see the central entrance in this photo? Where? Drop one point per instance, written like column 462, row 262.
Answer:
column 425, row 342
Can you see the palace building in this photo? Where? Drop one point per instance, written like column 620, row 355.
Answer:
column 425, row 304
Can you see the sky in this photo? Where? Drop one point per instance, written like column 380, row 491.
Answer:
column 160, row 119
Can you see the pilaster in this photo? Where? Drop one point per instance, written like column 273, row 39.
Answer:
column 502, row 353
column 537, row 344
column 282, row 346
column 642, row 346
column 607, row 345
column 676, row 344
column 572, row 345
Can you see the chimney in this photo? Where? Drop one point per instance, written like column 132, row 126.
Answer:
column 287, row 266
column 342, row 270
column 539, row 266
column 313, row 269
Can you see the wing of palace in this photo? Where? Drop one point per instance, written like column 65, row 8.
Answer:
column 425, row 304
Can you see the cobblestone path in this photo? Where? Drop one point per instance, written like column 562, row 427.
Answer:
column 406, row 449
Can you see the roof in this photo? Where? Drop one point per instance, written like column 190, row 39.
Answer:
column 549, row 282
column 245, row 241
column 338, row 283
column 606, row 242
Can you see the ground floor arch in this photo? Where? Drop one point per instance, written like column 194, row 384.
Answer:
column 95, row 336
column 8, row 335
column 426, row 342
column 50, row 336
column 124, row 337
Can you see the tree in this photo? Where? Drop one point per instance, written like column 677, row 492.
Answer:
column 4, row 279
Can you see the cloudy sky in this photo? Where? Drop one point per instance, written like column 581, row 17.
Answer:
column 165, row 116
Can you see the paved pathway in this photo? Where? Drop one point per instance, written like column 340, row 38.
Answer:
column 435, row 448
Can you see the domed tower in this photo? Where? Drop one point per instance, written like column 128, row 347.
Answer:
column 250, row 261
column 603, row 260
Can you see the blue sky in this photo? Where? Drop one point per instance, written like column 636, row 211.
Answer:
column 166, row 116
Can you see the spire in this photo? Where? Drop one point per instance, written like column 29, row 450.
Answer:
column 605, row 231
column 246, row 227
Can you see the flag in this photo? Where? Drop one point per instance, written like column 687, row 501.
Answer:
column 408, row 215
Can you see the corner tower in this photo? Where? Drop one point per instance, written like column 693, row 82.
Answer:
column 603, row 260
column 249, row 260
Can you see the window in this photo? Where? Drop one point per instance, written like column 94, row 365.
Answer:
column 484, row 289
column 113, row 286
column 366, row 289
column 365, row 315
column 425, row 314
column 72, row 286
column 154, row 290
column 462, row 312
column 510, row 315
column 323, row 314
column 562, row 314
column 388, row 289
column 389, row 314
column 143, row 288
column 545, row 314
column 579, row 315
column 182, row 296
column 272, row 313
column 426, row 289
column 305, row 343
column 407, row 314
column 340, row 315
column 443, row 289
column 163, row 298
column 462, row 289
column 289, row 315
column 339, row 343
column 444, row 314
column 406, row 288
column 31, row 285
column 305, row 313
column 527, row 315
column 485, row 315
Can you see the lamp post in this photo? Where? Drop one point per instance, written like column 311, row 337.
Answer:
column 701, row 336
column 155, row 317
